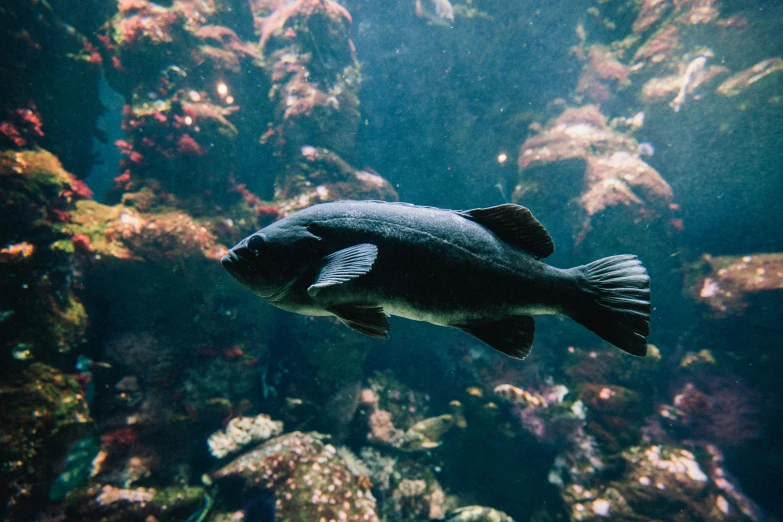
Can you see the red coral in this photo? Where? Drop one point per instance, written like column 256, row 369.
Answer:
column 267, row 210
column 122, row 179
column 11, row 133
column 117, row 64
column 125, row 436
column 93, row 56
column 247, row 196
column 720, row 409
column 31, row 120
column 124, row 146
column 234, row 352
column 60, row 215
column 82, row 243
column 22, row 125
column 187, row 146
column 79, row 189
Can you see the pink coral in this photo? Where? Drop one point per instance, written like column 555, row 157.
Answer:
column 187, row 146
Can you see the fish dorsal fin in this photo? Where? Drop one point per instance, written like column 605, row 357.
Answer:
column 344, row 265
column 516, row 225
column 511, row 335
column 367, row 319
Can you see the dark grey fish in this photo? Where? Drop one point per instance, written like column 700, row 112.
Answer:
column 476, row 270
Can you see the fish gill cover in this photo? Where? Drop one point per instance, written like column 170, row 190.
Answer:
column 138, row 381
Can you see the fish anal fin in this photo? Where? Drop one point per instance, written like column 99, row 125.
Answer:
column 515, row 225
column 344, row 265
column 511, row 335
column 367, row 319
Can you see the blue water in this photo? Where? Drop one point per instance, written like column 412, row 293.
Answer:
column 139, row 141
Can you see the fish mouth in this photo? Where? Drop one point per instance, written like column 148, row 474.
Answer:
column 229, row 261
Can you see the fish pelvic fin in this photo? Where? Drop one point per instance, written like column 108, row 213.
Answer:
column 512, row 335
column 367, row 319
column 616, row 304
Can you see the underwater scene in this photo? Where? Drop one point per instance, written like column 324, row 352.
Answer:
column 391, row 261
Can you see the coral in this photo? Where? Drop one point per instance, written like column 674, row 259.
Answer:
column 122, row 232
column 321, row 176
column 286, row 14
column 477, row 514
column 39, row 281
column 22, row 127
column 702, row 357
column 382, row 430
column 715, row 408
column 408, row 489
column 543, row 412
column 105, row 502
column 315, row 78
column 49, row 80
column 380, row 467
column 425, row 434
column 606, row 366
column 406, row 406
column 308, row 477
column 724, row 283
column 664, row 482
column 649, row 14
column 744, row 79
column 49, row 414
column 399, row 427
column 602, row 165
column 242, row 431
column 176, row 120
column 601, row 73
column 611, row 415
column 514, row 395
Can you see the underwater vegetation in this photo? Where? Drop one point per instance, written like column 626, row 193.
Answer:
column 140, row 382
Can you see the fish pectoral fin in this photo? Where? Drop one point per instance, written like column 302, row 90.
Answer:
column 344, row 265
column 512, row 335
column 367, row 319
column 515, row 225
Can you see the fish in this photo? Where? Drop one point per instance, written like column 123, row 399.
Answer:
column 478, row 270
column 436, row 12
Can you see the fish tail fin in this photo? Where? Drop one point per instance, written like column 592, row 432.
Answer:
column 616, row 302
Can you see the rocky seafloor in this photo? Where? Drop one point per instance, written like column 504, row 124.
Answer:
column 139, row 382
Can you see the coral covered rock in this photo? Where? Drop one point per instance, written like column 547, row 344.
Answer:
column 725, row 283
column 309, row 479
column 49, row 79
column 242, row 431
column 190, row 82
column 49, row 414
column 108, row 503
column 36, row 257
column 664, row 483
column 315, row 83
column 599, row 167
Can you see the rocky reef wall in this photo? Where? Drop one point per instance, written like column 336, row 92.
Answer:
column 145, row 384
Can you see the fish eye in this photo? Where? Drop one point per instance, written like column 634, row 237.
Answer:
column 255, row 243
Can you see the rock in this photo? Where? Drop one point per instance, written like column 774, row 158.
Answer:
column 725, row 283
column 103, row 502
column 308, row 477
column 49, row 414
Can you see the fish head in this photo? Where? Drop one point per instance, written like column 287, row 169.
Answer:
column 262, row 263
